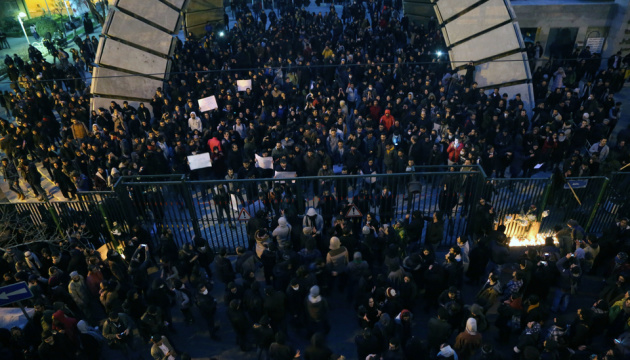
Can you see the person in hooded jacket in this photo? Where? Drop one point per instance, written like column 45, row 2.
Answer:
column 317, row 312
column 314, row 221
column 469, row 340
column 282, row 234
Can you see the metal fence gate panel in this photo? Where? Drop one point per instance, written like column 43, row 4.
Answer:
column 614, row 204
column 563, row 203
column 170, row 204
column 512, row 198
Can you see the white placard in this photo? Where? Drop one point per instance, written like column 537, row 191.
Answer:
column 244, row 84
column 264, row 162
column 233, row 202
column 285, row 174
column 199, row 161
column 207, row 104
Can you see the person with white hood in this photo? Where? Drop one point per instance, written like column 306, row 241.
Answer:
column 194, row 123
column 469, row 340
column 313, row 220
column 33, row 263
column 282, row 234
column 80, row 294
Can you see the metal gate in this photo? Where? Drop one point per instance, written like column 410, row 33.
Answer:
column 217, row 210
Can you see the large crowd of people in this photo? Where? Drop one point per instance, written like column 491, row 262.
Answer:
column 365, row 91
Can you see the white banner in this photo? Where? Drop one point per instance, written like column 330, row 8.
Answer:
column 199, row 161
column 207, row 104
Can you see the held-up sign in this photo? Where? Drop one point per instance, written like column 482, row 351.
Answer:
column 207, row 104
column 243, row 85
column 199, row 161
column 264, row 162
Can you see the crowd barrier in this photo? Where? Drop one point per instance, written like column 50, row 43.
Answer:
column 188, row 208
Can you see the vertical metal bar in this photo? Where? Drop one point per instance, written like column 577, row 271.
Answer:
column 53, row 214
column 106, row 222
column 545, row 197
column 191, row 209
column 597, row 203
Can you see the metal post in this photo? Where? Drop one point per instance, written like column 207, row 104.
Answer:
column 543, row 204
column 597, row 203
column 53, row 213
column 24, row 310
column 109, row 229
column 74, row 31
column 185, row 192
column 47, row 8
column 20, row 16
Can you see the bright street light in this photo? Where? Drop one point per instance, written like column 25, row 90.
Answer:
column 438, row 53
column 20, row 16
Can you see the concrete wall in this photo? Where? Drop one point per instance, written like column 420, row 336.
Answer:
column 581, row 14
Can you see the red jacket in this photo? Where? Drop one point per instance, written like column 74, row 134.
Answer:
column 387, row 120
column 454, row 151
column 214, row 142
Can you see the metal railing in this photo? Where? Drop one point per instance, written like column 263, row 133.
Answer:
column 217, row 210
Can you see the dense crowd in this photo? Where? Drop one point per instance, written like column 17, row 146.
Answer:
column 326, row 90
column 364, row 91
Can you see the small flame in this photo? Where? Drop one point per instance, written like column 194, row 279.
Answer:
column 538, row 241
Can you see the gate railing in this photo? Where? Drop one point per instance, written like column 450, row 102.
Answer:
column 215, row 209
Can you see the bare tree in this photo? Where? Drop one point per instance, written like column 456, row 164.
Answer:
column 19, row 227
column 98, row 9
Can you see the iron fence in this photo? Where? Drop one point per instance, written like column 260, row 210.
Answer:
column 218, row 210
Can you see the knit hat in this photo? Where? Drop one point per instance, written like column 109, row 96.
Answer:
column 334, row 243
column 357, row 256
column 311, row 212
column 313, row 295
column 73, row 274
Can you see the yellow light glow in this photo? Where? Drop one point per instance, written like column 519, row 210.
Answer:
column 538, row 241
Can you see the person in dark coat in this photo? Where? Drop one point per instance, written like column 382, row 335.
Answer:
column 63, row 181
column 207, row 306
column 478, row 258
column 224, row 268
column 415, row 226
column 318, row 350
column 317, row 312
column 56, row 347
column 263, row 336
column 439, row 331
column 239, row 322
column 435, row 231
column 34, row 179
column 366, row 343
column 279, row 350
column 386, row 205
column 275, row 307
